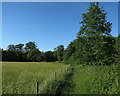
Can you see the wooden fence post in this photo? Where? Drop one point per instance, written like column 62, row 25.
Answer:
column 37, row 87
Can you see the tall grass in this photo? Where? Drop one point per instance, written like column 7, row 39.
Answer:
column 21, row 77
column 95, row 80
column 58, row 85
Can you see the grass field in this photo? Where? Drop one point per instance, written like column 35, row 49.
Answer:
column 21, row 77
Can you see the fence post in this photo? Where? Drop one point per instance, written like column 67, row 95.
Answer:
column 55, row 75
column 37, row 87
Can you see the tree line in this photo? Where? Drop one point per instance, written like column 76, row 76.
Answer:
column 94, row 44
column 29, row 52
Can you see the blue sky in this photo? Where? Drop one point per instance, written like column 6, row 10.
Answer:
column 48, row 24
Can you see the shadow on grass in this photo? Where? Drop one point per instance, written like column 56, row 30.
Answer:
column 66, row 86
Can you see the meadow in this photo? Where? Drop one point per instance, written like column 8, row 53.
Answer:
column 22, row 77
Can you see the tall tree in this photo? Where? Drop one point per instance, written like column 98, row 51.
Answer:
column 94, row 22
column 30, row 45
column 95, row 28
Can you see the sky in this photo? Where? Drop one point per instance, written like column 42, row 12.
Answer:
column 49, row 24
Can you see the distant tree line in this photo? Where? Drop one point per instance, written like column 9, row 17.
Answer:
column 29, row 52
column 94, row 44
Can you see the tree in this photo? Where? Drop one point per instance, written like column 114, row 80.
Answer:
column 81, row 51
column 95, row 29
column 69, row 51
column 49, row 56
column 60, row 50
column 19, row 47
column 11, row 47
column 30, row 45
column 94, row 22
column 118, row 46
column 55, row 54
column 34, row 55
column 14, row 53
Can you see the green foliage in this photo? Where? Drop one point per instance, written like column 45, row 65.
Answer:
column 34, row 55
column 30, row 45
column 94, row 22
column 106, row 82
column 60, row 52
column 11, row 47
column 19, row 47
column 80, row 54
column 48, row 56
column 94, row 44
column 118, row 45
column 97, row 46
column 69, row 51
column 95, row 80
column 28, row 53
column 55, row 54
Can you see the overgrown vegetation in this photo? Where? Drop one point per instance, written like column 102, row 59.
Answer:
column 94, row 44
column 95, row 80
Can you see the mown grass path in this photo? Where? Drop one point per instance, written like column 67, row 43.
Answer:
column 66, row 86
